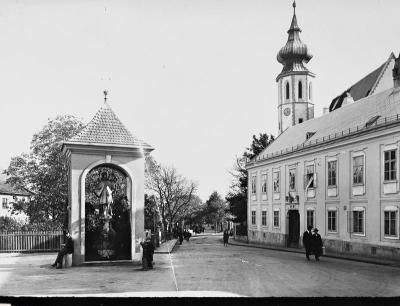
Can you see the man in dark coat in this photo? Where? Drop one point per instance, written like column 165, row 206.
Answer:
column 148, row 251
column 307, row 241
column 226, row 237
column 317, row 244
column 67, row 249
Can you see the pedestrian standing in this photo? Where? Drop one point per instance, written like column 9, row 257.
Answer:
column 148, row 251
column 317, row 244
column 307, row 241
column 226, row 237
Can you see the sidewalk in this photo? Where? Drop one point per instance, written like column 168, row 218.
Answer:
column 377, row 261
column 166, row 247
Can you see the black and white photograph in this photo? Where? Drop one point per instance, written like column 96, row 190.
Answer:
column 199, row 149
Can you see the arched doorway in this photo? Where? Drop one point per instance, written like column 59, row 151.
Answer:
column 294, row 228
column 107, row 214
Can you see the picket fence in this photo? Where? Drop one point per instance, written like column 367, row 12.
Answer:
column 30, row 241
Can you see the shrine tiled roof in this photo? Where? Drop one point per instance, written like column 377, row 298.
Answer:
column 106, row 128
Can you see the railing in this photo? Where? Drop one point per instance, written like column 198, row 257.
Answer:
column 341, row 134
column 32, row 241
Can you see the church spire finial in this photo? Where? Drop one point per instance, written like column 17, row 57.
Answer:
column 105, row 92
column 294, row 7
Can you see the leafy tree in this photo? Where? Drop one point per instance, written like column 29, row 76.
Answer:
column 237, row 195
column 215, row 209
column 173, row 192
column 44, row 172
column 150, row 212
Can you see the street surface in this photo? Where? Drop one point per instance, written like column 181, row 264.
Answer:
column 202, row 267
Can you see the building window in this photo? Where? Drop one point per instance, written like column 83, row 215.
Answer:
column 292, row 179
column 390, row 223
column 276, row 182
column 310, row 218
column 310, row 91
column 253, row 217
column 358, row 170
column 358, row 221
column 332, row 166
column 276, row 218
column 264, row 218
column 390, row 165
column 310, row 177
column 253, row 184
column 300, row 90
column 5, row 202
column 264, row 183
column 287, row 89
column 300, row 120
column 332, row 220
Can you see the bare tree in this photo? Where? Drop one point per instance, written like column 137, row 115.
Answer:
column 172, row 191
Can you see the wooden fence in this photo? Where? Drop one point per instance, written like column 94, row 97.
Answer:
column 30, row 242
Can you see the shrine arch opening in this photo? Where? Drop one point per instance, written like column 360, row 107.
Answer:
column 107, row 210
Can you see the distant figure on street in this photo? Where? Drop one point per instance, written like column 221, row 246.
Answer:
column 226, row 237
column 186, row 235
column 67, row 249
column 148, row 251
column 316, row 244
column 307, row 241
column 180, row 235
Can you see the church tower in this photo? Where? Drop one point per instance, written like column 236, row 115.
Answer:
column 295, row 94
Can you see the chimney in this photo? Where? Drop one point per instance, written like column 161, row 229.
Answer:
column 348, row 99
column 396, row 72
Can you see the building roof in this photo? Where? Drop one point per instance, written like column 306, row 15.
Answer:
column 348, row 119
column 106, row 128
column 7, row 189
column 295, row 54
column 363, row 87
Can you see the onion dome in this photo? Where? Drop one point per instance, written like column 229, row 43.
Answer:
column 295, row 53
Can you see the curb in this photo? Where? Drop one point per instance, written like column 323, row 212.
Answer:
column 169, row 248
column 358, row 259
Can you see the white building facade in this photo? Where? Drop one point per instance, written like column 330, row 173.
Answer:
column 338, row 173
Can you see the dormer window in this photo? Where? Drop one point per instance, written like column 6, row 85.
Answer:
column 371, row 121
column 309, row 135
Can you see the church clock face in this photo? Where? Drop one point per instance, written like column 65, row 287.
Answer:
column 286, row 111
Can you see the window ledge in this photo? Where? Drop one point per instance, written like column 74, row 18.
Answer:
column 332, row 186
column 358, row 184
column 391, row 237
column 358, row 235
column 390, row 181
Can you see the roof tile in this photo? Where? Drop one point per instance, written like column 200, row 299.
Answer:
column 106, row 128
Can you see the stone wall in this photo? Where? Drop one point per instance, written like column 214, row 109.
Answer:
column 361, row 249
column 267, row 238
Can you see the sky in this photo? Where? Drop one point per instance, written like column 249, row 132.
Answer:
column 193, row 78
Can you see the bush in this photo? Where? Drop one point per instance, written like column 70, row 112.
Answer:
column 241, row 230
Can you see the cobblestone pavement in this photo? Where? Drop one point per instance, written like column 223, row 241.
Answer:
column 201, row 267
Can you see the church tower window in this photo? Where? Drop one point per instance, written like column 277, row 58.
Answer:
column 287, row 91
column 300, row 90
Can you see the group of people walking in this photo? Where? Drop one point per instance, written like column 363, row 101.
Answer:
column 312, row 242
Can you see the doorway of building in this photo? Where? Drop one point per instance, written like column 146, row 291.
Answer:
column 294, row 228
column 107, row 215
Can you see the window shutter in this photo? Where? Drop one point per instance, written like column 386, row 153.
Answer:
column 349, row 222
column 315, row 180
column 305, row 181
